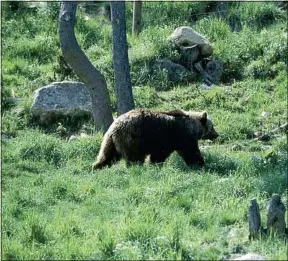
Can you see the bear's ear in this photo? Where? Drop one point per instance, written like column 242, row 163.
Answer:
column 203, row 117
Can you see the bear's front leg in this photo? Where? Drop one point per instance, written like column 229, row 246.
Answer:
column 159, row 156
column 191, row 158
column 191, row 154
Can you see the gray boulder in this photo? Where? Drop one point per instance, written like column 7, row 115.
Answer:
column 175, row 72
column 61, row 99
column 186, row 36
column 214, row 69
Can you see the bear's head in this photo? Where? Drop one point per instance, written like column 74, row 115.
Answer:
column 202, row 126
column 209, row 132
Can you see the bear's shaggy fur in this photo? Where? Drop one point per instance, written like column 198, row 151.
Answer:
column 141, row 133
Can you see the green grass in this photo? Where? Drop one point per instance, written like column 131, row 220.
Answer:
column 54, row 207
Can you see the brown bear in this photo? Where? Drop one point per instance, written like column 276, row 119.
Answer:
column 141, row 133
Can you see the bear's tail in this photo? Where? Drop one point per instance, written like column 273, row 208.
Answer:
column 107, row 154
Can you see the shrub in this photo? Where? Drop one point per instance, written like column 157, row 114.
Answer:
column 258, row 69
column 145, row 97
column 258, row 14
column 214, row 29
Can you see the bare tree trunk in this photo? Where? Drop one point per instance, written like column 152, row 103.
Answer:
column 122, row 78
column 136, row 25
column 79, row 62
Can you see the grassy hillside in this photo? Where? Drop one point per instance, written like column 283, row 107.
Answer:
column 54, row 207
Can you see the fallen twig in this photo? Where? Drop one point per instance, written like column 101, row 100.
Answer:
column 283, row 127
column 267, row 136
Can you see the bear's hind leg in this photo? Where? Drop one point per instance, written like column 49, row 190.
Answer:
column 107, row 154
column 107, row 161
column 134, row 159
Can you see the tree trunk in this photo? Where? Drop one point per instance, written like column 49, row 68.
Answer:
column 136, row 25
column 79, row 62
column 122, row 78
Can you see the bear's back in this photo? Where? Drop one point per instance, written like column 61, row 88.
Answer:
column 144, row 119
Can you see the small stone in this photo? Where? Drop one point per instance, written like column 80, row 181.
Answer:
column 257, row 134
column 205, row 87
column 236, row 147
column 264, row 148
column 238, row 250
column 250, row 256
column 264, row 137
column 73, row 138
column 265, row 114
column 84, row 135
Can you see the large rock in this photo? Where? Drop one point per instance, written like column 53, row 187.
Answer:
column 175, row 72
column 61, row 99
column 185, row 35
column 214, row 69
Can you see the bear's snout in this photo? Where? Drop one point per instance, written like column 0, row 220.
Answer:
column 214, row 136
column 210, row 136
